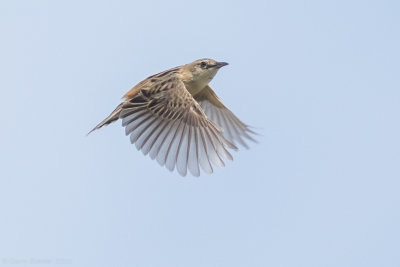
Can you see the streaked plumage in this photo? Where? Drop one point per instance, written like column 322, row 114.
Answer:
column 176, row 118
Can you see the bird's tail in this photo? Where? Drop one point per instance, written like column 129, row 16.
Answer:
column 111, row 118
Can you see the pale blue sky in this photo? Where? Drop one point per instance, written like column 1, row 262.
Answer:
column 319, row 80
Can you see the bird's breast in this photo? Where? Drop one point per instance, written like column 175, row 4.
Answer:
column 195, row 87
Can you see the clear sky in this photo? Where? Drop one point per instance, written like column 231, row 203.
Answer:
column 318, row 79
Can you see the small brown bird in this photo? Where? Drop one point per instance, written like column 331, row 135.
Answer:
column 176, row 118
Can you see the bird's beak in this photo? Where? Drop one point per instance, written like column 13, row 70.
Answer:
column 220, row 64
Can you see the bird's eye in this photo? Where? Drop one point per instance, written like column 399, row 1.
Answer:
column 203, row 64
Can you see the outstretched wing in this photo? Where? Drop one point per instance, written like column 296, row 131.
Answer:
column 234, row 129
column 164, row 121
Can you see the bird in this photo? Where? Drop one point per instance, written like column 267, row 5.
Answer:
column 176, row 118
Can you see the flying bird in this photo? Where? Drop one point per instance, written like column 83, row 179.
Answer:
column 176, row 118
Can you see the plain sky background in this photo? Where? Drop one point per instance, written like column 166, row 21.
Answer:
column 320, row 81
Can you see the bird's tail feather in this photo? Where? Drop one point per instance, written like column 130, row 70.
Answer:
column 111, row 118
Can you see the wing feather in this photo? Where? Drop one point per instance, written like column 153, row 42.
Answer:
column 235, row 130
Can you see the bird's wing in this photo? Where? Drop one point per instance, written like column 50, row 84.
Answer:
column 234, row 129
column 150, row 81
column 164, row 121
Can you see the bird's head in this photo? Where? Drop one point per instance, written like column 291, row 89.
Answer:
column 203, row 70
